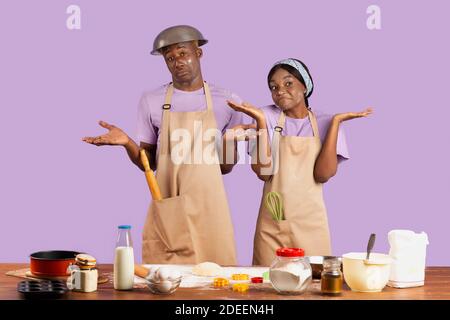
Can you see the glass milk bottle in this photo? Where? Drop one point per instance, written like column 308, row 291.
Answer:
column 124, row 260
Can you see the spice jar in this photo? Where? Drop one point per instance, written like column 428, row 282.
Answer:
column 290, row 273
column 331, row 278
column 83, row 274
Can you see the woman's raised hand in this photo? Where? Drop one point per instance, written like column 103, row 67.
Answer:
column 114, row 137
column 248, row 109
column 352, row 115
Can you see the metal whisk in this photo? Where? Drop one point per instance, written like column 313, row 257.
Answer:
column 274, row 204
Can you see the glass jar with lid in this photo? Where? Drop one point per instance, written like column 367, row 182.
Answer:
column 83, row 274
column 290, row 273
column 331, row 278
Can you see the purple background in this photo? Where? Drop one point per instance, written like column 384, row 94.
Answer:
column 59, row 193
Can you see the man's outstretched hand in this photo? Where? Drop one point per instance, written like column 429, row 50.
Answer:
column 114, row 137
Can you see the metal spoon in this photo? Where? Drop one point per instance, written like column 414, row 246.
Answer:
column 370, row 245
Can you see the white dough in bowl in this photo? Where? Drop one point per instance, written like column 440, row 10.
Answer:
column 207, row 269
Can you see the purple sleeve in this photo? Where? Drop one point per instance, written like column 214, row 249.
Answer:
column 145, row 130
column 236, row 117
column 251, row 143
column 341, row 147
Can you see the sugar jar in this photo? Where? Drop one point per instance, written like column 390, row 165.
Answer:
column 290, row 273
column 83, row 274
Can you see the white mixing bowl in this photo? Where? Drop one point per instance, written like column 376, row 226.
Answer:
column 366, row 276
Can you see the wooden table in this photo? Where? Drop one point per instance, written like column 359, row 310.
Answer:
column 437, row 287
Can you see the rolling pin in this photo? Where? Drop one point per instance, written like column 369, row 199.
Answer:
column 150, row 176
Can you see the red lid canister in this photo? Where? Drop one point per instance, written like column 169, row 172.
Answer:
column 290, row 252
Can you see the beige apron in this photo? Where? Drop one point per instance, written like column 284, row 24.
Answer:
column 306, row 224
column 192, row 223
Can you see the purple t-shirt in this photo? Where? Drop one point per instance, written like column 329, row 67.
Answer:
column 302, row 128
column 149, row 116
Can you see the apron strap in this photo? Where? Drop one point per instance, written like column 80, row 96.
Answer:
column 165, row 145
column 276, row 142
column 165, row 120
column 280, row 127
column 313, row 121
column 280, row 124
column 209, row 104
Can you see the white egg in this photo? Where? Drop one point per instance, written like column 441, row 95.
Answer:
column 174, row 274
column 152, row 275
column 152, row 269
column 163, row 273
column 164, row 286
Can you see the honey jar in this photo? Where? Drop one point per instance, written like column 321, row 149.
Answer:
column 331, row 278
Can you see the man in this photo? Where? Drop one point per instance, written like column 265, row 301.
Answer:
column 192, row 223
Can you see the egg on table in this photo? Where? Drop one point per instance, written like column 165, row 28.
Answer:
column 164, row 286
column 174, row 274
column 163, row 273
column 152, row 273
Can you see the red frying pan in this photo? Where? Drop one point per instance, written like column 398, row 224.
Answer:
column 51, row 263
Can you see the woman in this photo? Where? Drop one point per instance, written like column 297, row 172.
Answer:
column 292, row 159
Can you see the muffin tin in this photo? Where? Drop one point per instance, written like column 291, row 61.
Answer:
column 45, row 289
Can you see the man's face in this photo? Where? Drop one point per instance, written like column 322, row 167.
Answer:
column 183, row 61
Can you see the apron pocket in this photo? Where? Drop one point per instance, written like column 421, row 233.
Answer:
column 284, row 232
column 270, row 235
column 153, row 252
column 172, row 224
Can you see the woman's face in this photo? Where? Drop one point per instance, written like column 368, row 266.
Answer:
column 287, row 91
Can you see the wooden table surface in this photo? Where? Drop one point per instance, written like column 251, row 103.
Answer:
column 437, row 287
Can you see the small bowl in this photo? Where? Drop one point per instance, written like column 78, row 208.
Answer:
column 316, row 263
column 366, row 276
column 163, row 286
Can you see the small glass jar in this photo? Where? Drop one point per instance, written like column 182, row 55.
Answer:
column 290, row 273
column 331, row 281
